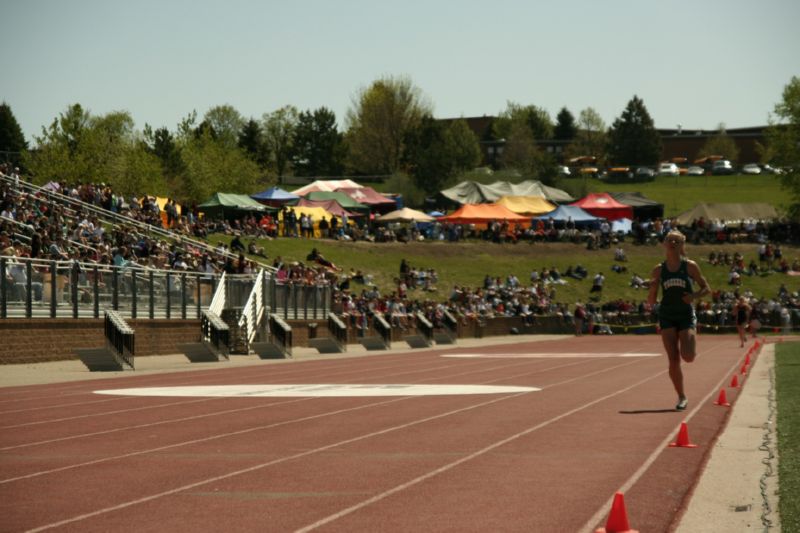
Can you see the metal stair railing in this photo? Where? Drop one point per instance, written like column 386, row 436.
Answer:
column 253, row 311
column 281, row 334
column 424, row 326
column 216, row 333
column 338, row 331
column 119, row 337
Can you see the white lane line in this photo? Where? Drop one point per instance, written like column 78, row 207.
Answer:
column 483, row 451
column 287, row 458
column 319, row 390
column 590, row 524
column 214, row 437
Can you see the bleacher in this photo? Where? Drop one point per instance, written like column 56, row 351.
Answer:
column 78, row 286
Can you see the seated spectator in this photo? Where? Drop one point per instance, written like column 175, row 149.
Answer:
column 252, row 249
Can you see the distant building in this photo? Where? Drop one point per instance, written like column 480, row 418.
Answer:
column 675, row 142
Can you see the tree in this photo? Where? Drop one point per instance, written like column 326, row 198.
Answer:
column 279, row 131
column 565, row 129
column 161, row 143
column 318, row 145
column 591, row 139
column 535, row 118
column 519, row 152
column 212, row 166
column 437, row 151
column 12, row 140
column 79, row 147
column 720, row 144
column 633, row 138
column 379, row 121
column 226, row 122
column 783, row 137
column 251, row 141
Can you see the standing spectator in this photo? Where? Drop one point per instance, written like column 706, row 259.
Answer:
column 579, row 317
column 741, row 313
column 597, row 283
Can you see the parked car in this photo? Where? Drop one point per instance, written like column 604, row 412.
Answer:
column 668, row 169
column 696, row 171
column 617, row 173
column 723, row 167
column 769, row 169
column 751, row 168
column 645, row 173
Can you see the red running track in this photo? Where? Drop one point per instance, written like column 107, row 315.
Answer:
column 74, row 460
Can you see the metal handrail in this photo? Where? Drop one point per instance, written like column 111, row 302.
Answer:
column 253, row 310
column 281, row 334
column 120, row 337
column 383, row 328
column 424, row 325
column 338, row 329
column 215, row 332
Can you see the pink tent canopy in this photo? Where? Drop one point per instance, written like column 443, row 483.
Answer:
column 369, row 196
column 331, row 206
column 603, row 205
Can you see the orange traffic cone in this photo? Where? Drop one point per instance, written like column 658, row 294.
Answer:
column 618, row 518
column 722, row 399
column 743, row 370
column 747, row 359
column 683, row 438
column 735, row 381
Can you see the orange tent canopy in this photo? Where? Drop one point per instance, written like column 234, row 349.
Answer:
column 482, row 214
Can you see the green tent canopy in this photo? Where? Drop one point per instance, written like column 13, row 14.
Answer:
column 229, row 205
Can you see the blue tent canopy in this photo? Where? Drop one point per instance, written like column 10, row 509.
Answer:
column 275, row 194
column 563, row 213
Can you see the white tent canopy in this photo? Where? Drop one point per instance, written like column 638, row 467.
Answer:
column 405, row 215
column 326, row 186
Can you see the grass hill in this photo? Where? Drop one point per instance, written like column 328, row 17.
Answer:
column 466, row 263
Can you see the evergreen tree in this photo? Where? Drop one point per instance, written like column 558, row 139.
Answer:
column 12, row 140
column 633, row 138
column 565, row 129
column 251, row 141
column 436, row 151
column 318, row 144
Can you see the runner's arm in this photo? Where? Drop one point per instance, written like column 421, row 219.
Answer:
column 697, row 276
column 655, row 281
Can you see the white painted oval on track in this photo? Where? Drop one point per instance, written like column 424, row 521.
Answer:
column 329, row 390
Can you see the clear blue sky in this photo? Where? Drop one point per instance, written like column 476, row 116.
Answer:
column 694, row 62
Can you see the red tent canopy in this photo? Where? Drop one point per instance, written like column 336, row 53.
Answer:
column 601, row 204
column 484, row 214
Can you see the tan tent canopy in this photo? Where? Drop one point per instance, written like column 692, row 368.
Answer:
column 728, row 213
column 526, row 205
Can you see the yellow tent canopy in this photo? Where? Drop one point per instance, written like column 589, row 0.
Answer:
column 316, row 214
column 526, row 205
